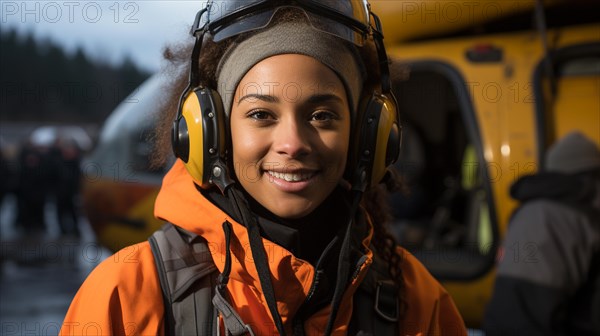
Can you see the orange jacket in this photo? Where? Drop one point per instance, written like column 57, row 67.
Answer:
column 122, row 295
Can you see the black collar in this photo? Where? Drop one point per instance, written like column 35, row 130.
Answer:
column 305, row 237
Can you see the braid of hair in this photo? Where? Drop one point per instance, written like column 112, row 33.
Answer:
column 375, row 202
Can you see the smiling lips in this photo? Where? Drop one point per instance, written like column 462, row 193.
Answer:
column 292, row 177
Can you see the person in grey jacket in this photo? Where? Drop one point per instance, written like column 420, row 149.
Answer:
column 548, row 277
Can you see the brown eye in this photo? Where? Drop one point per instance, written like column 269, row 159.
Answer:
column 260, row 115
column 323, row 116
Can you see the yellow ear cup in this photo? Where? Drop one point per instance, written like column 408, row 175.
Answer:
column 200, row 138
column 377, row 142
column 387, row 145
column 192, row 114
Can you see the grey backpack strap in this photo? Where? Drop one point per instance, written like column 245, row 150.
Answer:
column 234, row 324
column 187, row 277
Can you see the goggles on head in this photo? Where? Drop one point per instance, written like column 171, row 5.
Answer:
column 349, row 20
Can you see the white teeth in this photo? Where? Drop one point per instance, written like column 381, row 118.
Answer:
column 290, row 177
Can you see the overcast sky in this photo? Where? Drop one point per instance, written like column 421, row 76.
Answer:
column 105, row 29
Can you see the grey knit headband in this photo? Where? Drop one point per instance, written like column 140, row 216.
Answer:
column 290, row 38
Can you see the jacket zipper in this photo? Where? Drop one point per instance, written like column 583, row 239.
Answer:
column 298, row 320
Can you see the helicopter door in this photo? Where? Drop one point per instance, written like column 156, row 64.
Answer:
column 444, row 213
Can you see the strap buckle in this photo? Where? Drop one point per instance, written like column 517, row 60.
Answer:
column 386, row 301
column 234, row 325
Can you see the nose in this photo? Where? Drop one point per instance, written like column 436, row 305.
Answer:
column 292, row 138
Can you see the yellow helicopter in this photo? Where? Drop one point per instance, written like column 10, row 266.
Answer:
column 484, row 87
column 489, row 86
column 119, row 187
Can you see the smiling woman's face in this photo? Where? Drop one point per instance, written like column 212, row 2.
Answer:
column 290, row 130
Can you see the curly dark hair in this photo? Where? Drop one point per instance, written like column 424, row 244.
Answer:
column 374, row 200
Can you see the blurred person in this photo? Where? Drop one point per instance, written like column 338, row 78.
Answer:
column 5, row 172
column 32, row 187
column 548, row 278
column 7, row 178
column 277, row 212
column 66, row 156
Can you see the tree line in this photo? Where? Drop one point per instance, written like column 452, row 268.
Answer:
column 40, row 82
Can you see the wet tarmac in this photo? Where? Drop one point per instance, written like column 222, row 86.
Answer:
column 39, row 275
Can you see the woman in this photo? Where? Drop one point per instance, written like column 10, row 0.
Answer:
column 287, row 119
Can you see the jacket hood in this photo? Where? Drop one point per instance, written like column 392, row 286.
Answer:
column 180, row 203
column 554, row 186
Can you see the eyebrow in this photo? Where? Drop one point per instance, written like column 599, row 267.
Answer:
column 265, row 98
column 324, row 98
column 313, row 100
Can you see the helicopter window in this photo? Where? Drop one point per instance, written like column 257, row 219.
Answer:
column 124, row 149
column 141, row 153
column 572, row 102
column 587, row 66
column 442, row 214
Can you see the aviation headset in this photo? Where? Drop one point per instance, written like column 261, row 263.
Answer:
column 200, row 132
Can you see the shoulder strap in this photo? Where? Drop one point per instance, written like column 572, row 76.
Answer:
column 376, row 303
column 187, row 277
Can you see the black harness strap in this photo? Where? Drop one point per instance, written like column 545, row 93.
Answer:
column 376, row 307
